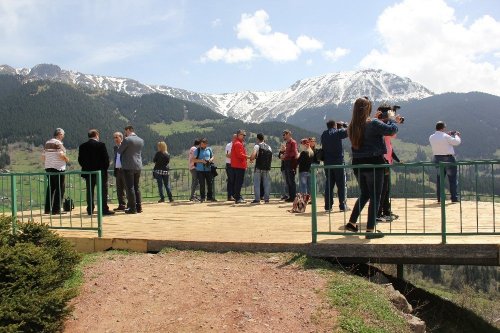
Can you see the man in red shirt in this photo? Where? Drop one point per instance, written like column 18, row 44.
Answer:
column 238, row 164
column 289, row 160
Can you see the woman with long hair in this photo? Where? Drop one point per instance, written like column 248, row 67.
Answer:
column 368, row 147
column 161, row 170
column 306, row 158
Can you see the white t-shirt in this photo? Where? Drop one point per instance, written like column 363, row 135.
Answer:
column 53, row 152
column 442, row 143
column 229, row 146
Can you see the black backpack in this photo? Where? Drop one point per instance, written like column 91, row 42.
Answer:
column 264, row 157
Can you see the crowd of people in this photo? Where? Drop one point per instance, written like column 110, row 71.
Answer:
column 371, row 144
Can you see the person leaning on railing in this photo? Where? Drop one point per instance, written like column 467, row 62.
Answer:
column 368, row 147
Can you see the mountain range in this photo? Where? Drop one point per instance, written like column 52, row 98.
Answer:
column 306, row 104
column 328, row 90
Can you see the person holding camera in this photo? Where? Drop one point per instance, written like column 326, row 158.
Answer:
column 442, row 144
column 368, row 147
column 333, row 154
column 385, row 213
column 204, row 158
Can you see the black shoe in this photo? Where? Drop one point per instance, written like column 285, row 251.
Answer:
column 109, row 212
column 161, row 200
column 212, row 200
column 345, row 209
column 256, row 202
column 170, row 200
column 289, row 200
column 120, row 207
column 58, row 213
column 130, row 211
column 351, row 227
column 240, row 201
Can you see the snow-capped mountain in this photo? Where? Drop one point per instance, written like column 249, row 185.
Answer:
column 329, row 89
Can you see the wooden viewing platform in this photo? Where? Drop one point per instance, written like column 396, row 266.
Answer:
column 225, row 226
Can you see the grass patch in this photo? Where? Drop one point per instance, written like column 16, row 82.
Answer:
column 184, row 126
column 363, row 306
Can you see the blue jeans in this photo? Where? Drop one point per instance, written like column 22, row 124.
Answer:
column 266, row 179
column 335, row 177
column 370, row 181
column 450, row 171
column 163, row 180
column 304, row 182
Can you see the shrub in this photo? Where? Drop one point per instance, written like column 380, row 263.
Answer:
column 35, row 263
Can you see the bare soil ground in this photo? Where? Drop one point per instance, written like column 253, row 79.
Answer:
column 185, row 291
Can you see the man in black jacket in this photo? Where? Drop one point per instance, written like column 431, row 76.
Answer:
column 333, row 153
column 93, row 156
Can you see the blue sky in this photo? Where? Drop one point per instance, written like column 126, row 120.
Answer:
column 225, row 46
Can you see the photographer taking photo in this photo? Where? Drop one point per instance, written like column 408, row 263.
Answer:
column 442, row 148
column 368, row 147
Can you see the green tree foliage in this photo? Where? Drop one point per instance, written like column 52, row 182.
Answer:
column 35, row 264
column 32, row 111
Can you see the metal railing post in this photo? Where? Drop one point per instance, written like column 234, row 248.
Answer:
column 314, row 220
column 13, row 198
column 442, row 198
column 99, row 203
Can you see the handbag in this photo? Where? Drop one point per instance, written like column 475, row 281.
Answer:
column 213, row 170
column 68, row 204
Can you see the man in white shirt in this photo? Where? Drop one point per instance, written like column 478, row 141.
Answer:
column 229, row 170
column 442, row 144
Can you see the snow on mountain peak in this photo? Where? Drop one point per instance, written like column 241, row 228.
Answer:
column 329, row 89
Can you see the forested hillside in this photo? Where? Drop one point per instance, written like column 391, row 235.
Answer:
column 475, row 115
column 30, row 113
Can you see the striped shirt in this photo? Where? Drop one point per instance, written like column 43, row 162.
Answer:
column 53, row 152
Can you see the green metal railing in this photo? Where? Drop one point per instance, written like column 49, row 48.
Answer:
column 180, row 184
column 24, row 195
column 413, row 188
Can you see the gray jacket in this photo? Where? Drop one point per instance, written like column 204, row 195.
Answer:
column 130, row 152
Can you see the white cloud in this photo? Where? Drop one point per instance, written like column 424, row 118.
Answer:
column 231, row 56
column 309, row 44
column 273, row 46
column 309, row 62
column 334, row 55
column 216, row 23
column 423, row 39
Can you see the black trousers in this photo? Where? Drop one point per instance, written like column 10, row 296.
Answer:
column 120, row 187
column 239, row 176
column 290, row 179
column 55, row 191
column 90, row 181
column 133, row 190
column 205, row 178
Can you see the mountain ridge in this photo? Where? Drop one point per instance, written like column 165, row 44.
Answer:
column 253, row 106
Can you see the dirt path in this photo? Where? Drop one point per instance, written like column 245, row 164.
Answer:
column 201, row 292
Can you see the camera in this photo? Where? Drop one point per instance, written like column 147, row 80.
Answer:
column 389, row 112
column 341, row 124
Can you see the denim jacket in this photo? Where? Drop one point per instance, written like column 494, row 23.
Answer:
column 373, row 140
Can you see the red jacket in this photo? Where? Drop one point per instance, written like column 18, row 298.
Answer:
column 238, row 155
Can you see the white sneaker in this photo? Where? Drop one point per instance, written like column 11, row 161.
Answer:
column 380, row 219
